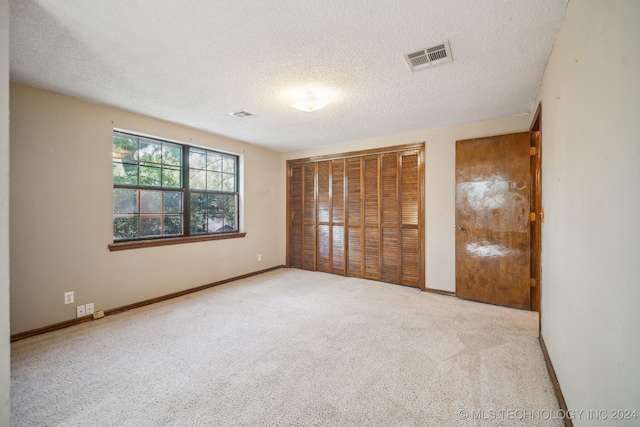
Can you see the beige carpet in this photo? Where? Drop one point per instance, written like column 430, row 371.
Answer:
column 285, row 348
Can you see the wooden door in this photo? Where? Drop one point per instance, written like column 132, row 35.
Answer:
column 492, row 220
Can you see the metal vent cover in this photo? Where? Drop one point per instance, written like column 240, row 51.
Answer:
column 429, row 57
column 243, row 114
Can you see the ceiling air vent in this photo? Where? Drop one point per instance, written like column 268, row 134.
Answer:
column 429, row 57
column 243, row 114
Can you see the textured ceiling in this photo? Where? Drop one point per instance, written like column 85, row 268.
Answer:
column 194, row 62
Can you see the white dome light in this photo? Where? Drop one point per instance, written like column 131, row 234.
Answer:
column 311, row 99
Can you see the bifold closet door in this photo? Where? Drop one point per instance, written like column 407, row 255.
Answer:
column 331, row 226
column 354, row 222
column 389, row 224
column 302, row 216
column 360, row 216
column 323, row 245
column 337, row 216
column 393, row 246
column 371, row 198
column 295, row 220
column 309, row 216
column 411, row 210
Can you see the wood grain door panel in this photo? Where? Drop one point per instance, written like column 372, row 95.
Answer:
column 323, row 242
column 323, row 246
column 338, row 216
column 355, row 261
column 295, row 231
column 372, row 253
column 309, row 217
column 492, row 220
column 410, row 212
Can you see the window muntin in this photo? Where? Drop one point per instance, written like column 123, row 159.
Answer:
column 153, row 197
column 146, row 162
column 212, row 171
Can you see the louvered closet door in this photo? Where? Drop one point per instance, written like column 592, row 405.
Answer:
column 309, row 216
column 371, row 190
column 331, row 243
column 324, row 217
column 410, row 211
column 355, row 252
column 295, row 205
column 390, row 224
column 337, row 216
column 360, row 216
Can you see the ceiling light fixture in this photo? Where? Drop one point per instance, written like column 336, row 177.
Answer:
column 311, row 99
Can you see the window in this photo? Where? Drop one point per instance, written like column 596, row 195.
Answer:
column 162, row 189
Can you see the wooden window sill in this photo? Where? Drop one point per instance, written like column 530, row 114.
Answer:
column 137, row 244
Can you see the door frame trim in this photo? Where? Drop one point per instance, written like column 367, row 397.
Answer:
column 536, row 206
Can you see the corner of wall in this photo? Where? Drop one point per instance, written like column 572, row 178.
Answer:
column 5, row 348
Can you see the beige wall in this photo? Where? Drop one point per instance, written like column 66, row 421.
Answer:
column 590, row 97
column 61, row 203
column 4, row 214
column 439, row 184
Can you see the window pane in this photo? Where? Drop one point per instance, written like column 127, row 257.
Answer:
column 125, row 200
column 214, row 181
column 214, row 162
column 150, row 151
column 151, row 201
column 172, row 155
column 172, row 201
column 171, row 178
column 197, row 159
column 125, row 148
column 124, row 173
column 197, row 180
column 198, row 202
column 230, row 212
column 125, row 227
column 216, row 223
column 150, row 225
column 216, row 203
column 172, row 225
column 229, row 182
column 198, row 223
column 229, row 164
column 230, row 222
column 150, row 175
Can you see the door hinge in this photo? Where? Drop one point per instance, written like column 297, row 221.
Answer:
column 532, row 283
column 532, row 216
column 533, row 151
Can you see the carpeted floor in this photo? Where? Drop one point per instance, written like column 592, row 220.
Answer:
column 289, row 347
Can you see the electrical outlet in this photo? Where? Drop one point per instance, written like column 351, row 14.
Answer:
column 259, row 257
column 80, row 311
column 68, row 297
column 89, row 309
